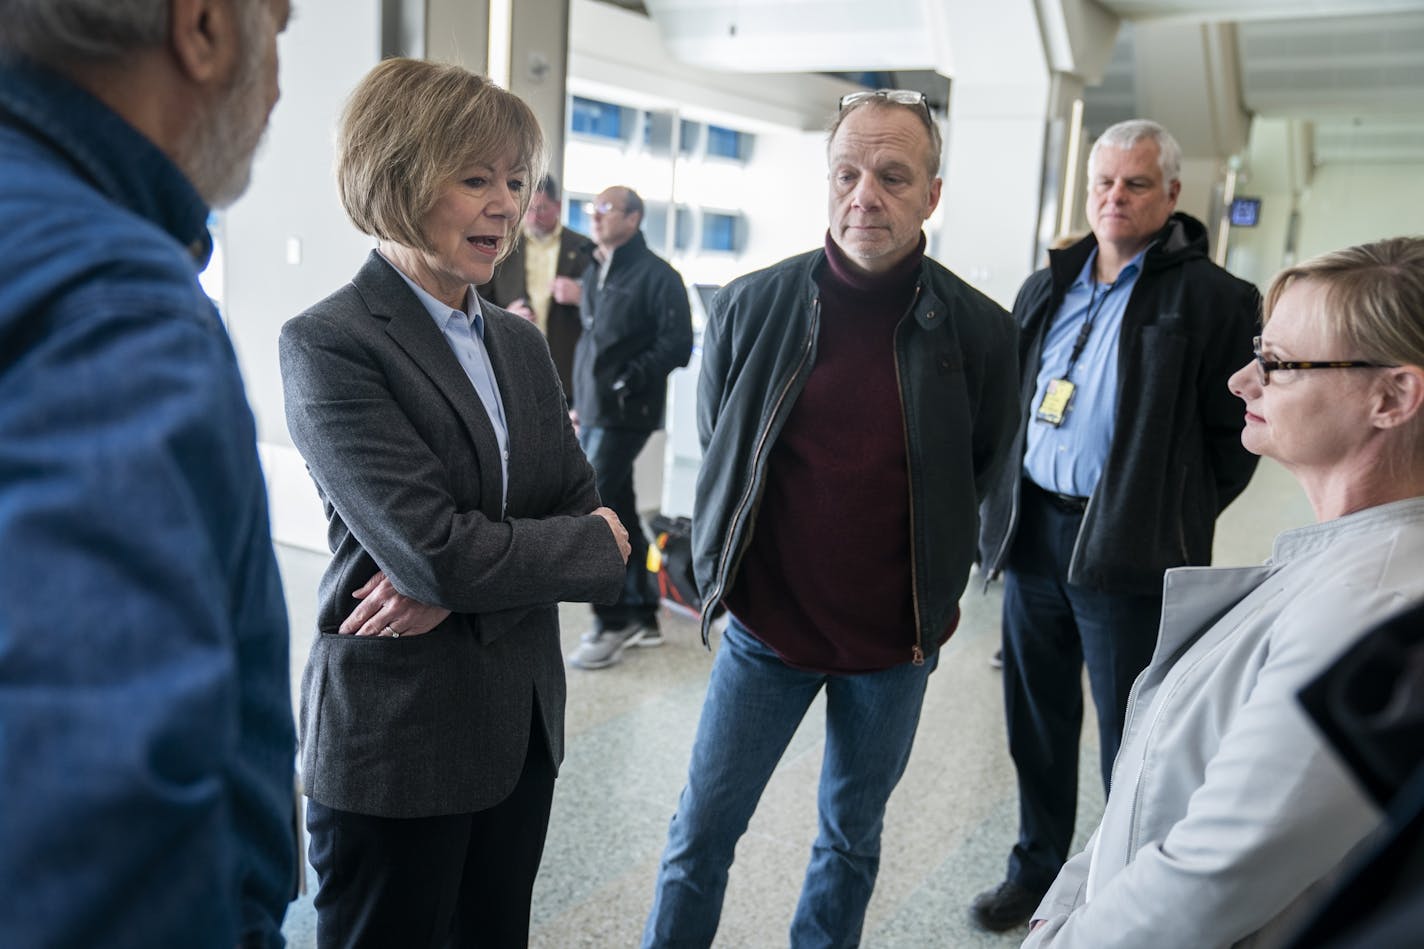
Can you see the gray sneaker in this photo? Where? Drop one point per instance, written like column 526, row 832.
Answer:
column 652, row 635
column 605, row 647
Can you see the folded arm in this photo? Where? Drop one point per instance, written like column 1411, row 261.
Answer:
column 392, row 492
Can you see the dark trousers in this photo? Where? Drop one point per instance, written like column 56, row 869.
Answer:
column 611, row 452
column 1051, row 630
column 451, row 881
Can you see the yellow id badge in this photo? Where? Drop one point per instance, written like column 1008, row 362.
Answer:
column 1054, row 406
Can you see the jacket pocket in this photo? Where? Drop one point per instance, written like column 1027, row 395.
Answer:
column 383, row 712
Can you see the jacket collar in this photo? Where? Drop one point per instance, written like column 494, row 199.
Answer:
column 635, row 247
column 1196, row 597
column 927, row 307
column 1304, row 541
column 1183, row 237
column 114, row 157
column 409, row 325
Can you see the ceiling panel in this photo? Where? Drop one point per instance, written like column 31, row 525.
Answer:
column 1358, row 79
column 1242, row 11
column 1352, row 68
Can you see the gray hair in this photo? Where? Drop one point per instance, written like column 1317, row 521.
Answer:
column 1127, row 134
column 56, row 32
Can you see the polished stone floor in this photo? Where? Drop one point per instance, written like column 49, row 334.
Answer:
column 947, row 831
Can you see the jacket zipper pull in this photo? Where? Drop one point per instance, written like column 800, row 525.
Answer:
column 917, row 655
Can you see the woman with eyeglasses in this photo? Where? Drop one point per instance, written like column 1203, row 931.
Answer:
column 1228, row 814
column 461, row 512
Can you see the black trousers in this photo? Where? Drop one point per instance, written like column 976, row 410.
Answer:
column 1051, row 631
column 612, row 452
column 451, row 881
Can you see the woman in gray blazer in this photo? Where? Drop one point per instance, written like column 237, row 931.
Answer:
column 460, row 511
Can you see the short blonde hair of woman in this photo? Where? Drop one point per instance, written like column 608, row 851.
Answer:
column 410, row 127
column 1373, row 298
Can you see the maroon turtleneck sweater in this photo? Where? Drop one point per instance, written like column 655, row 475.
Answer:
column 826, row 579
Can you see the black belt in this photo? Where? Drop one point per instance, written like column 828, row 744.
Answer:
column 1067, row 503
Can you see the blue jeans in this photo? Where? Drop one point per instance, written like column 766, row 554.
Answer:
column 611, row 452
column 754, row 704
column 1052, row 629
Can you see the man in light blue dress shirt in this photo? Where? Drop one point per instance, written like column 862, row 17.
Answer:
column 1130, row 447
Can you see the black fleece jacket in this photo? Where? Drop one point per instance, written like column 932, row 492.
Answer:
column 637, row 328
column 1176, row 459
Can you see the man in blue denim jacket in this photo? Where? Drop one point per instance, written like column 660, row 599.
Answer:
column 146, row 739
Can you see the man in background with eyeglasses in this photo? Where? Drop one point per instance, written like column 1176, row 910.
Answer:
column 539, row 280
column 1128, row 447
column 637, row 328
column 853, row 405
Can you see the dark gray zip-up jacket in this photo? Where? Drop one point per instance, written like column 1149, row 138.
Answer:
column 1176, row 459
column 956, row 364
column 637, row 328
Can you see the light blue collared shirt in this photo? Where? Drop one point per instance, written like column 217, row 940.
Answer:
column 464, row 330
column 1070, row 458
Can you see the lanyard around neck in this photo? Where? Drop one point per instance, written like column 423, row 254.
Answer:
column 1095, row 306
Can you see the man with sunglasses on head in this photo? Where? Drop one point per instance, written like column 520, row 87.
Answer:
column 1128, row 447
column 637, row 328
column 853, row 405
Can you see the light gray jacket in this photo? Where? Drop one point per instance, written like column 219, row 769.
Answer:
column 408, row 466
column 1228, row 813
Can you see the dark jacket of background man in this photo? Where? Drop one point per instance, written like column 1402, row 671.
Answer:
column 1170, row 471
column 637, row 328
column 562, row 328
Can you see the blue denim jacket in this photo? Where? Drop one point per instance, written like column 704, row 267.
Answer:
column 146, row 739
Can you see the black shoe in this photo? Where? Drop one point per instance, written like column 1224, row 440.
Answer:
column 1004, row 907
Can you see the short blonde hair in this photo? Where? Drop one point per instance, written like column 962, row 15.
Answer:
column 409, row 127
column 1373, row 298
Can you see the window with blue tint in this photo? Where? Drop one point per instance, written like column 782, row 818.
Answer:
column 592, row 117
column 575, row 215
column 726, row 143
column 719, row 231
column 682, row 229
column 655, row 224
column 658, row 129
column 687, row 135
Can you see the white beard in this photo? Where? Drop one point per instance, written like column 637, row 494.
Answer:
column 220, row 149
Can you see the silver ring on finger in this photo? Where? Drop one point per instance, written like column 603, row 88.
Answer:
column 391, row 629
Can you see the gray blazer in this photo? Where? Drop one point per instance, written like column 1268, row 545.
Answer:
column 408, row 468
